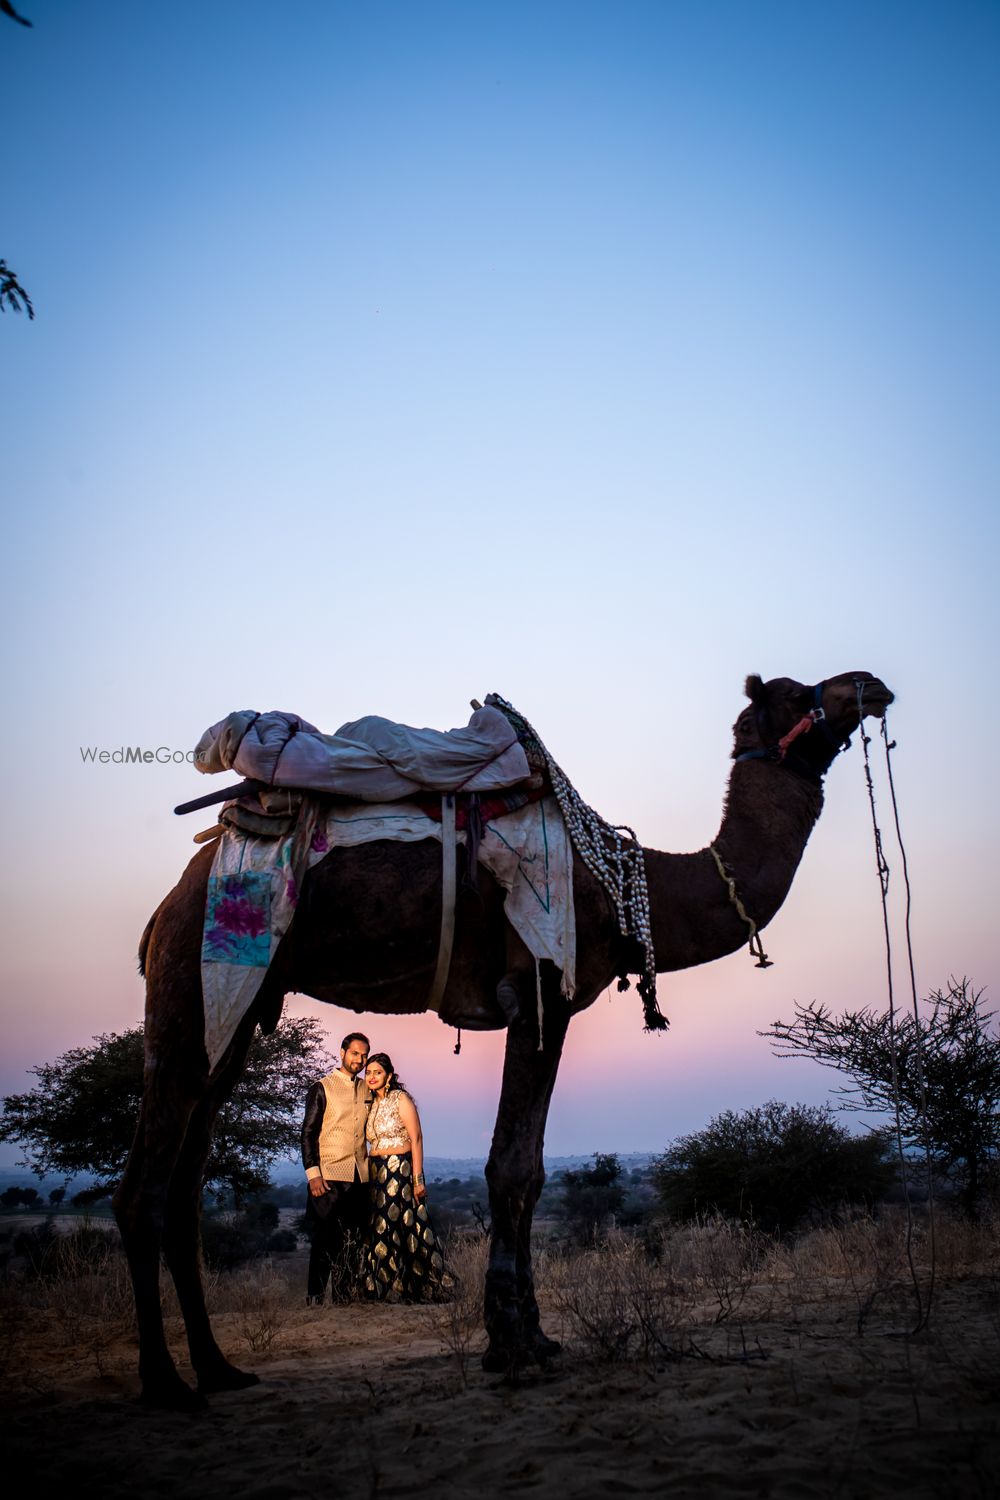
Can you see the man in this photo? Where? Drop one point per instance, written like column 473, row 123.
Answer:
column 334, row 1156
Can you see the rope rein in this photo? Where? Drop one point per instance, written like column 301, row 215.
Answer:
column 882, row 870
column 619, row 866
column 755, row 945
column 889, row 746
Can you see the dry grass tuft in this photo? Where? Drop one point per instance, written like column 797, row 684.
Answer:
column 619, row 1304
column 460, row 1321
column 79, row 1284
column 261, row 1299
column 653, row 1301
column 623, row 1301
column 81, row 1279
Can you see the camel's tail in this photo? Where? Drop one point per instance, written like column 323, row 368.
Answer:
column 145, row 940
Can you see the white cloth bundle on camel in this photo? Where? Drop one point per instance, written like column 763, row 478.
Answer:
column 369, row 760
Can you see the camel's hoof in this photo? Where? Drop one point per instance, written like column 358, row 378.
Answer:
column 544, row 1348
column 506, row 1361
column 226, row 1378
column 172, row 1395
column 500, row 1361
column 496, row 1362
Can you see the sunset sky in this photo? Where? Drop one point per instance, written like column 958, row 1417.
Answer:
column 596, row 354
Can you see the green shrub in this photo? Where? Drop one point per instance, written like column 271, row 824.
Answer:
column 778, row 1166
column 230, row 1239
column 593, row 1196
column 48, row 1255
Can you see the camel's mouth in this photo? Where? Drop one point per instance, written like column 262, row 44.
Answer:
column 875, row 697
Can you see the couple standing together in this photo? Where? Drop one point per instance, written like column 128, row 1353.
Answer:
column 362, row 1149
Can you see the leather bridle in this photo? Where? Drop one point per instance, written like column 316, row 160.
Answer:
column 780, row 752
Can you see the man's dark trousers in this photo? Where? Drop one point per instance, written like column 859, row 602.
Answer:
column 337, row 1221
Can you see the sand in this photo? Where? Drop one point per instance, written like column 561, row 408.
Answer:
column 786, row 1401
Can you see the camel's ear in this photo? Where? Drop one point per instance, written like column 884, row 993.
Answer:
column 756, row 691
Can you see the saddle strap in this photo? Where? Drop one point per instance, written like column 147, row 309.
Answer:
column 449, row 862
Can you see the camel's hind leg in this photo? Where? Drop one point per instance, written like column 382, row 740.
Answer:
column 158, row 1207
column 139, row 1206
column 182, row 1233
column 175, row 1084
column 516, row 1175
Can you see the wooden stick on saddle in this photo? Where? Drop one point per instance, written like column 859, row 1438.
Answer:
column 224, row 794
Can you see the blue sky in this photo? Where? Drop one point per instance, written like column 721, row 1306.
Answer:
column 594, row 354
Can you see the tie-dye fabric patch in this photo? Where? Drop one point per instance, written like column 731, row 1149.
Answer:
column 238, row 919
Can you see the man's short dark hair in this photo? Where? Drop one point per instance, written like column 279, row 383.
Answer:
column 355, row 1036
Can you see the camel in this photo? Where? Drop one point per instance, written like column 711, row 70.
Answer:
column 365, row 937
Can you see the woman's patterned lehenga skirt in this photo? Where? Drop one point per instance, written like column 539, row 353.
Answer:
column 402, row 1259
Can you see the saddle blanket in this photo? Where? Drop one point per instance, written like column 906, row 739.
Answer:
column 368, row 760
column 254, row 885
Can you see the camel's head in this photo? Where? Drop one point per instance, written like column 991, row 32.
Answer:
column 805, row 727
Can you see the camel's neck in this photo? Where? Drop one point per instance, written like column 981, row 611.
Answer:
column 768, row 817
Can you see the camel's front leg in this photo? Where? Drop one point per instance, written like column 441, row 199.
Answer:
column 515, row 1175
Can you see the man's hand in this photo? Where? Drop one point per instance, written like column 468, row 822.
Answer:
column 317, row 1187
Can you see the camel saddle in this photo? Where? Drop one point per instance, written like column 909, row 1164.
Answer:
column 368, row 760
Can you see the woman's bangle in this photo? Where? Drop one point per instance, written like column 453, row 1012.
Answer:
column 420, row 1180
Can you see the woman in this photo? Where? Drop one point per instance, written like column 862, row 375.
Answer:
column 402, row 1261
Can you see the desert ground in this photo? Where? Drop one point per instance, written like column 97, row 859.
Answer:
column 717, row 1366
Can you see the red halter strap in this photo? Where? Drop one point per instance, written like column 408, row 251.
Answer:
column 802, row 727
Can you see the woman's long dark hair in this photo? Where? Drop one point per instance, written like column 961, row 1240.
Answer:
column 385, row 1063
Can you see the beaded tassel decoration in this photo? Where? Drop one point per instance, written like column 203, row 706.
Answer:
column 618, row 863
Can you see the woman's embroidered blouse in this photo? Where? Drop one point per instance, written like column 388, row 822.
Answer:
column 385, row 1131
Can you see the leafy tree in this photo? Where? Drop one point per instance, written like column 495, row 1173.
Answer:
column 776, row 1165
column 592, row 1196
column 82, row 1115
column 958, row 1124
column 18, row 1197
column 8, row 10
column 12, row 293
